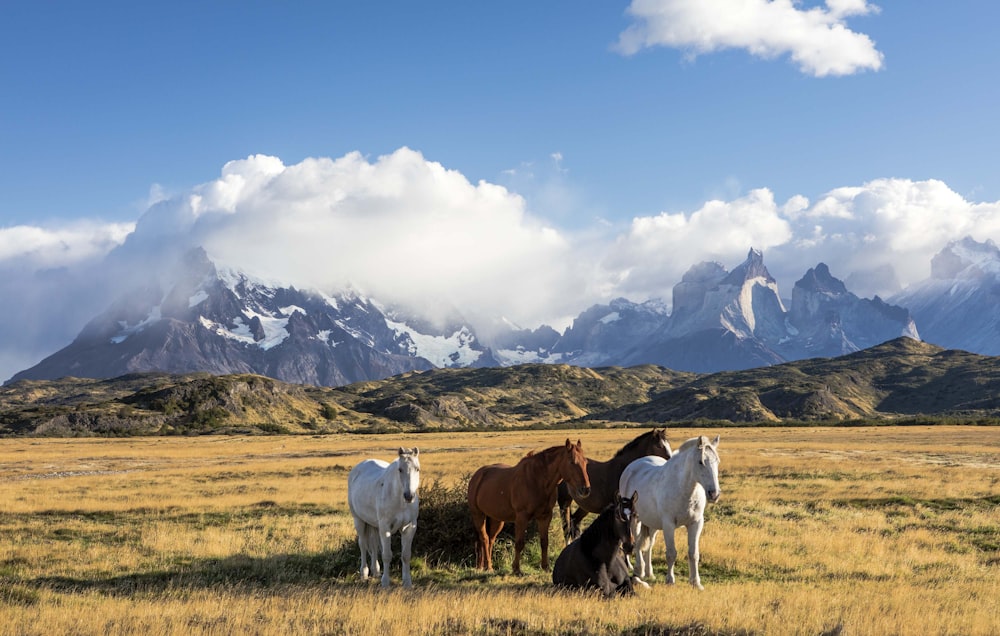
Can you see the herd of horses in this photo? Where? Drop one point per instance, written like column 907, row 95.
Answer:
column 644, row 489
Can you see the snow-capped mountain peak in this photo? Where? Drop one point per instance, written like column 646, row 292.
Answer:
column 966, row 259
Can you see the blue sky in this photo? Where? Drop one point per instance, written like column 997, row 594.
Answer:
column 103, row 100
column 629, row 139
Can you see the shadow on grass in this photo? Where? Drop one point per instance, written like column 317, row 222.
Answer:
column 238, row 571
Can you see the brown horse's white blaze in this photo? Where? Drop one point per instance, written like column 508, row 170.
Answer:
column 527, row 491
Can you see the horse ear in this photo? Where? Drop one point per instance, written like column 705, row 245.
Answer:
column 569, row 444
column 579, row 443
column 416, row 451
column 635, row 496
column 401, row 451
column 715, row 442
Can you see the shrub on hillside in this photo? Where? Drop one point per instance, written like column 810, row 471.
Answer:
column 444, row 528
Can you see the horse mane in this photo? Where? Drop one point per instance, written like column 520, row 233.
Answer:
column 635, row 442
column 545, row 452
column 694, row 442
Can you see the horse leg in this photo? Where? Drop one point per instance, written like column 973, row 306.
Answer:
column 386, row 536
column 643, row 552
column 407, row 541
column 495, row 526
column 479, row 525
column 362, row 529
column 373, row 547
column 565, row 502
column 621, row 581
column 694, row 555
column 671, row 547
column 578, row 516
column 520, row 531
column 543, row 537
column 602, row 580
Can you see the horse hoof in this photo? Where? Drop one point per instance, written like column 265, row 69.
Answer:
column 637, row 582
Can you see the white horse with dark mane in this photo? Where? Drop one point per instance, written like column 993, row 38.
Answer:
column 673, row 494
column 383, row 500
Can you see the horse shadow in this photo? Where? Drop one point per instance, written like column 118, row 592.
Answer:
column 236, row 571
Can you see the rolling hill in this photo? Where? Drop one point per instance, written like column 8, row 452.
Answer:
column 903, row 378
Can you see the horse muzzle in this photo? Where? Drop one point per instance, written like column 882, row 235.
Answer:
column 584, row 491
column 713, row 495
column 408, row 497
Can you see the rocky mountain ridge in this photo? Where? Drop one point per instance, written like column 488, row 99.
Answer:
column 204, row 318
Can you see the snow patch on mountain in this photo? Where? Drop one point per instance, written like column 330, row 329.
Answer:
column 521, row 355
column 324, row 337
column 275, row 330
column 197, row 299
column 612, row 317
column 455, row 350
column 128, row 330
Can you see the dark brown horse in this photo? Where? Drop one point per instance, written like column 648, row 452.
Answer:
column 499, row 493
column 597, row 558
column 604, row 480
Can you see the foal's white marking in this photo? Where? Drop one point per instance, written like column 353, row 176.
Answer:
column 383, row 500
column 673, row 494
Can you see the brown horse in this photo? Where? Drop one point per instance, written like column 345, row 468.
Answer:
column 604, row 480
column 521, row 493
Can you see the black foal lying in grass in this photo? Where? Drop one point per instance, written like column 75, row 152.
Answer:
column 597, row 558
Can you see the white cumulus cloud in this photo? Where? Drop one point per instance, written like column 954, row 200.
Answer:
column 817, row 39
column 896, row 223
column 887, row 222
column 657, row 250
column 400, row 228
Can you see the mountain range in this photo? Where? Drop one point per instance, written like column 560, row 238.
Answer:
column 199, row 317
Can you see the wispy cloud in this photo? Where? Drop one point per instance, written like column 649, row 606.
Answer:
column 817, row 39
column 48, row 247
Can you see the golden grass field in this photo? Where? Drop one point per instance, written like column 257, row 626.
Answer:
column 882, row 530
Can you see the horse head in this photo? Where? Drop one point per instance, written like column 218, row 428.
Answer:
column 627, row 523
column 574, row 469
column 707, row 469
column 409, row 472
column 661, row 446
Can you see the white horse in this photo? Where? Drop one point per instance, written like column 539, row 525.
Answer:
column 383, row 500
column 673, row 494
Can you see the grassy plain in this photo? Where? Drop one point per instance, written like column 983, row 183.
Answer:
column 884, row 530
